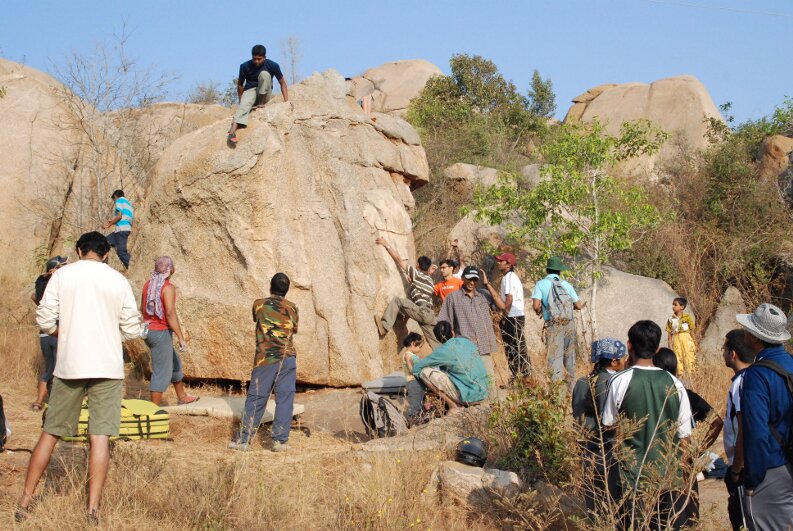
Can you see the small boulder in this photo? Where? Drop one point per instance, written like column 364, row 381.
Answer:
column 774, row 155
column 463, row 179
column 392, row 85
column 472, row 485
column 722, row 322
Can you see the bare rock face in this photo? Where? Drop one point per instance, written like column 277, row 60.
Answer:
column 679, row 105
column 154, row 128
column 623, row 299
column 49, row 194
column 722, row 322
column 310, row 186
column 392, row 85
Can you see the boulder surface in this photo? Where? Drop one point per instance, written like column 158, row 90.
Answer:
column 680, row 105
column 723, row 321
column 623, row 299
column 309, row 187
column 392, row 85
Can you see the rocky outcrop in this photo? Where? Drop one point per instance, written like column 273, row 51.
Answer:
column 774, row 155
column 680, row 105
column 61, row 161
column 310, row 186
column 462, row 180
column 392, row 85
column 152, row 129
column 722, row 322
column 47, row 177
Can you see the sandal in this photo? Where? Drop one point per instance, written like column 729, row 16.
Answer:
column 232, row 138
column 36, row 406
column 188, row 400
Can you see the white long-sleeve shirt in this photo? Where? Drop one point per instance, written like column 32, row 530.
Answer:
column 92, row 307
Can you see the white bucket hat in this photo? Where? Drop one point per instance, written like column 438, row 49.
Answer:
column 767, row 323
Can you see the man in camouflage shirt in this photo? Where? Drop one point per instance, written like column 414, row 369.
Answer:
column 273, row 366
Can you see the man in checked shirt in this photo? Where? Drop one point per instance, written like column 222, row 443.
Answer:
column 468, row 310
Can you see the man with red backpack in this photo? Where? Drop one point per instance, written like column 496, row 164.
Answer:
column 555, row 299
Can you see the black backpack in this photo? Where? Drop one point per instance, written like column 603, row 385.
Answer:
column 787, row 446
column 3, row 429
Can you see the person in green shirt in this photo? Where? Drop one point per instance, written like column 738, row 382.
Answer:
column 454, row 371
column 658, row 403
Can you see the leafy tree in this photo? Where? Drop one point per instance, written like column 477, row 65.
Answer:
column 579, row 209
column 542, row 100
column 474, row 115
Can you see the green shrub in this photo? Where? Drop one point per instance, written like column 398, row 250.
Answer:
column 530, row 433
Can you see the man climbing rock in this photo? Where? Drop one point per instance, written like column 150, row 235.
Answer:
column 419, row 306
column 123, row 214
column 255, row 87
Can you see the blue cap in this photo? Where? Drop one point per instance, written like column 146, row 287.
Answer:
column 608, row 348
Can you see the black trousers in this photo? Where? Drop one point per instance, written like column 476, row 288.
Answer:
column 515, row 346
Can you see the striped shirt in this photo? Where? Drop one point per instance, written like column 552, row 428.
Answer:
column 124, row 207
column 469, row 316
column 420, row 289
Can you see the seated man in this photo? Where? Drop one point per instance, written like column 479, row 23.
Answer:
column 454, row 371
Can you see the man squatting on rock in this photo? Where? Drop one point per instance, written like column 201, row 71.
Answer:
column 255, row 87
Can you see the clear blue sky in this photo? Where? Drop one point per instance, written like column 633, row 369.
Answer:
column 740, row 49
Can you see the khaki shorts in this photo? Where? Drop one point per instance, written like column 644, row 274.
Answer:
column 66, row 400
column 440, row 381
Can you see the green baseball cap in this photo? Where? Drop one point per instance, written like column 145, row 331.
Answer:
column 555, row 263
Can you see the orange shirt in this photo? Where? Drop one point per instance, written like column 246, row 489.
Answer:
column 444, row 287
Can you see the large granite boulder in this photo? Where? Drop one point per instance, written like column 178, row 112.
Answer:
column 464, row 178
column 392, row 85
column 48, row 180
column 307, row 190
column 151, row 129
column 623, row 299
column 722, row 322
column 680, row 105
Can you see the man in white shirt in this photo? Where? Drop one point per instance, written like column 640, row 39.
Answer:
column 514, row 319
column 737, row 356
column 89, row 306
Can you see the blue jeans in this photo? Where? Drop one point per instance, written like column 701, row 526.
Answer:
column 282, row 376
column 119, row 241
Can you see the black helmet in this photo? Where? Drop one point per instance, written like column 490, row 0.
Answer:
column 471, row 451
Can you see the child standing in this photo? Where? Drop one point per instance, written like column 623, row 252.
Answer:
column 679, row 328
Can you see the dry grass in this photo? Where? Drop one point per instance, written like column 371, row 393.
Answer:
column 193, row 482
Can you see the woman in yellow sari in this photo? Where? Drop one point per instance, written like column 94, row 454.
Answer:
column 680, row 326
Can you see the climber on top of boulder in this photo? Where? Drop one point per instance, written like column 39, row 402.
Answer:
column 255, row 87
